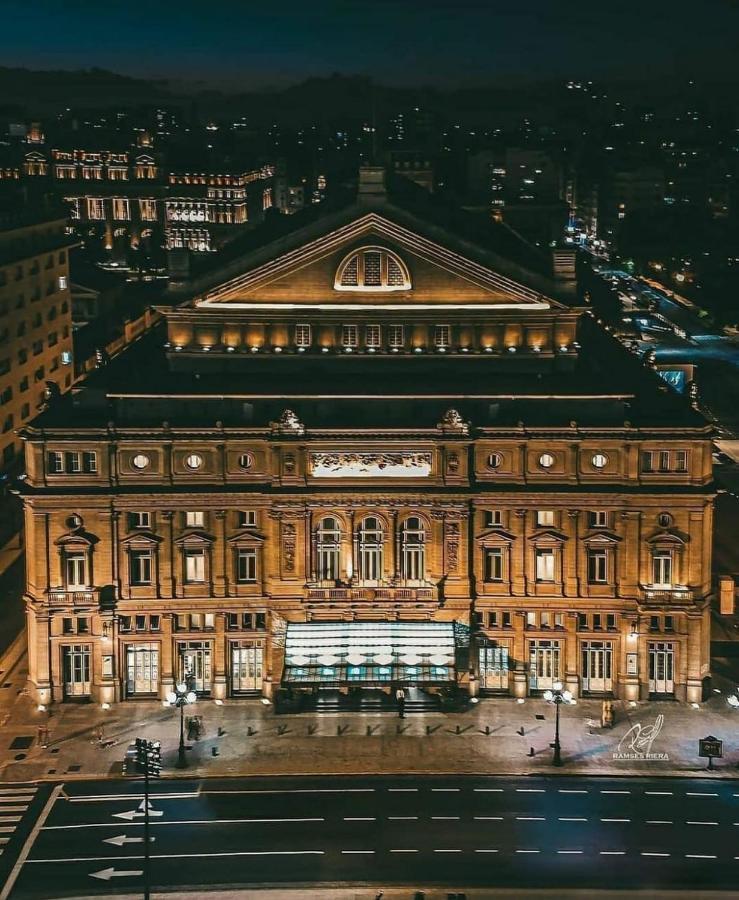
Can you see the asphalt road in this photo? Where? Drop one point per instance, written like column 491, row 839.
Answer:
column 461, row 832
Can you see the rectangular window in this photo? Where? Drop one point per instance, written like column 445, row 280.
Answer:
column 95, row 208
column 302, row 336
column 545, row 565
column 73, row 462
column 544, row 517
column 140, row 520
column 349, row 336
column 669, row 623
column 141, row 567
column 662, row 569
column 140, row 623
column 681, row 460
column 598, row 518
column 194, row 566
column 654, row 623
column 493, row 517
column 148, row 210
column 121, row 209
column 647, row 461
column 396, row 338
column 247, row 518
column 194, row 519
column 124, row 623
column 506, row 619
column 582, row 621
column 531, row 620
column 68, row 626
column 62, row 282
column 155, row 623
column 559, row 620
column 373, row 336
column 493, row 619
column 545, row 620
column 89, row 462
column 55, row 462
column 597, row 622
column 246, row 566
column 442, row 335
column 597, row 566
column 611, row 621
column 494, row 564
column 664, row 460
column 76, row 571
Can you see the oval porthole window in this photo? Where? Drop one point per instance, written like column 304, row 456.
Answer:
column 495, row 460
column 74, row 522
column 193, row 461
column 140, row 461
column 599, row 460
column 246, row 460
column 665, row 520
column 546, row 460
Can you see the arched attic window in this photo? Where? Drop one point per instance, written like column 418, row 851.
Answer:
column 372, row 269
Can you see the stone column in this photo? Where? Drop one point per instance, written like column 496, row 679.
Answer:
column 219, row 578
column 219, row 658
column 520, row 685
column 571, row 551
column 519, row 581
column 167, row 660
column 571, row 668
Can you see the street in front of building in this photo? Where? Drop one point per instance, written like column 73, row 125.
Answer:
column 415, row 831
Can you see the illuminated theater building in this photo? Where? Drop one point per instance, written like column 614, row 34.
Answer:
column 378, row 447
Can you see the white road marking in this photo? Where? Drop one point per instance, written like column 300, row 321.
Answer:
column 445, row 818
column 16, row 798
column 182, row 822
column 528, row 851
column 654, row 854
column 7, row 829
column 500, row 791
column 569, row 852
column 612, row 852
column 571, row 819
column 615, row 820
column 446, row 790
column 694, row 794
column 659, row 793
column 10, row 792
column 488, row 818
column 699, row 856
column 530, row 791
column 530, row 818
column 660, row 822
column 615, row 792
column 404, row 851
column 360, row 819
column 10, row 818
column 403, row 818
column 355, row 852
column 7, row 809
column 701, row 823
column 103, row 798
column 447, row 851
column 487, row 851
column 402, row 791
column 570, row 791
column 299, row 791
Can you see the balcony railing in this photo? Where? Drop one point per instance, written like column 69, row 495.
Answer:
column 372, row 594
column 658, row 595
column 61, row 597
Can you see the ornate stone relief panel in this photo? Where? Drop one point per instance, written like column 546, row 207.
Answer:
column 395, row 464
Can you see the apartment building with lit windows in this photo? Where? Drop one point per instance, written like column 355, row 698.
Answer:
column 383, row 446
column 35, row 317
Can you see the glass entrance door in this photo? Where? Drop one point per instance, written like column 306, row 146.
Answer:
column 142, row 669
column 544, row 668
column 494, row 667
column 661, row 668
column 76, row 660
column 195, row 666
column 597, row 666
column 246, row 667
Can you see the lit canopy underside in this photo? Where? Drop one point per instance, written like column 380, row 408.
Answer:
column 369, row 653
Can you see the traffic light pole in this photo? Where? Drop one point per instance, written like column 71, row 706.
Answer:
column 147, row 873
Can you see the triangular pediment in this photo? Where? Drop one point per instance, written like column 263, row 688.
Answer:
column 306, row 274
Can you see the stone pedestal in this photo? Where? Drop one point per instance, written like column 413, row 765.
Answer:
column 520, row 684
column 572, row 684
column 694, row 690
column 629, row 689
column 219, row 688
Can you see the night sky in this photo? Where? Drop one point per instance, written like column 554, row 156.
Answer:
column 246, row 43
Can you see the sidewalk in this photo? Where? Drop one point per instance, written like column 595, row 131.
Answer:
column 494, row 737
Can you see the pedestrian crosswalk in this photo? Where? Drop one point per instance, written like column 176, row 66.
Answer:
column 14, row 802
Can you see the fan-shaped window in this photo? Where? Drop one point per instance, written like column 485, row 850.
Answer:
column 372, row 269
column 370, row 550
column 412, row 549
column 328, row 549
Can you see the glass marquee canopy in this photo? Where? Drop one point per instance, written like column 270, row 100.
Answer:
column 369, row 653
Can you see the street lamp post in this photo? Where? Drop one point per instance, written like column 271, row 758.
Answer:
column 181, row 697
column 558, row 696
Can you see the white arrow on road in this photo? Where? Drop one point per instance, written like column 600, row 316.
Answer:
column 138, row 813
column 107, row 874
column 121, row 839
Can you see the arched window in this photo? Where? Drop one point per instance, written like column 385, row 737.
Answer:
column 372, row 269
column 328, row 549
column 370, row 550
column 412, row 549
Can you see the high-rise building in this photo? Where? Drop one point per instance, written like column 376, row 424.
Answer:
column 382, row 447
